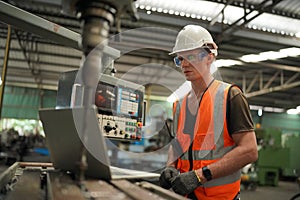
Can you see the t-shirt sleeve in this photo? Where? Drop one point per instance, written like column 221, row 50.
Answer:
column 239, row 118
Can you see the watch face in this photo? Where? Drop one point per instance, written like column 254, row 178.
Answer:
column 207, row 173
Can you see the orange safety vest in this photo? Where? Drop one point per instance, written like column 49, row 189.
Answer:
column 210, row 143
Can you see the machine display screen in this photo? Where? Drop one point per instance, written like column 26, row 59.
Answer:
column 105, row 97
column 122, row 100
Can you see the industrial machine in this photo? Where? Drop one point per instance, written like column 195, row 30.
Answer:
column 276, row 158
column 119, row 103
column 48, row 184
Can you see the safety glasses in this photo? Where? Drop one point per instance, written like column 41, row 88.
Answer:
column 190, row 57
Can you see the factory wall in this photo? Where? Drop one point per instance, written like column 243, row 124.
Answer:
column 24, row 103
column 288, row 124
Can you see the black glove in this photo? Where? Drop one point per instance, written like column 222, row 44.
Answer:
column 166, row 176
column 185, row 183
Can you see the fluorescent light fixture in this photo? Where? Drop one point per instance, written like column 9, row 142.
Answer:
column 266, row 109
column 271, row 55
column 180, row 92
column 254, row 107
column 227, row 62
column 251, row 58
column 292, row 111
column 293, row 51
column 259, row 112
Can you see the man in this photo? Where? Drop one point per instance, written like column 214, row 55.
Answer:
column 215, row 133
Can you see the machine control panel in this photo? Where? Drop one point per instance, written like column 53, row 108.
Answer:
column 120, row 127
column 120, row 108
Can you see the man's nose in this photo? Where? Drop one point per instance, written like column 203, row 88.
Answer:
column 184, row 63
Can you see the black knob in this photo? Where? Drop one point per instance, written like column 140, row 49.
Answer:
column 108, row 128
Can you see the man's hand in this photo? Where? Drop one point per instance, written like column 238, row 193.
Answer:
column 185, row 183
column 166, row 176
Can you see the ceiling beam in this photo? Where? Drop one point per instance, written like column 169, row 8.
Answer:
column 273, row 89
column 282, row 67
column 24, row 20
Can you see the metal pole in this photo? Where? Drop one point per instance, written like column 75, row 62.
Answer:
column 4, row 70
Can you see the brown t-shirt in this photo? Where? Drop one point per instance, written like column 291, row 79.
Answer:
column 239, row 118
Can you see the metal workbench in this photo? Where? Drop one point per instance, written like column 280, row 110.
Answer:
column 40, row 181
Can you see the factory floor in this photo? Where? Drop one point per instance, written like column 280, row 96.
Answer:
column 284, row 191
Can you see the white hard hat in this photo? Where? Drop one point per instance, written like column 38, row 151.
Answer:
column 193, row 37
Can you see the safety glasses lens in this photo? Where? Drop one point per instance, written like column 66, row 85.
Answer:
column 177, row 61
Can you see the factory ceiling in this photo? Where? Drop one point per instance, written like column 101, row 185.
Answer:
column 262, row 37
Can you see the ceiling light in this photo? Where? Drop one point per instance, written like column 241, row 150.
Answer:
column 148, row 12
column 293, row 51
column 266, row 109
column 297, row 34
column 251, row 58
column 148, row 7
column 142, row 6
column 259, row 112
column 271, row 55
column 159, row 9
column 171, row 12
column 292, row 111
column 254, row 107
column 227, row 62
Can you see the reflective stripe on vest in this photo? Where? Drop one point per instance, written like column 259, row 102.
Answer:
column 212, row 135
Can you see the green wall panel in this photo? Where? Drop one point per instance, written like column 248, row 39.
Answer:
column 286, row 123
column 24, row 103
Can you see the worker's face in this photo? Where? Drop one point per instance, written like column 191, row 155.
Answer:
column 195, row 64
